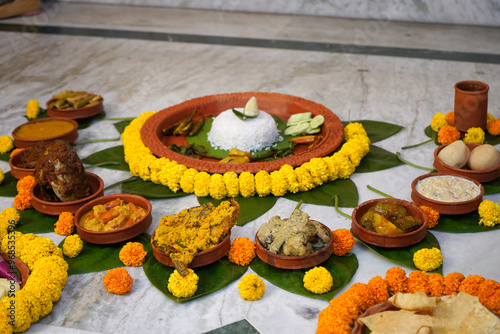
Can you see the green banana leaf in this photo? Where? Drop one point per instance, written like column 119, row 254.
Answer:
column 250, row 208
column 102, row 257
column 5, row 157
column 378, row 159
column 150, row 190
column 378, row 131
column 466, row 223
column 212, row 277
column 33, row 221
column 120, row 126
column 492, row 187
column 8, row 185
column 342, row 269
column 324, row 194
column 85, row 123
column 112, row 154
column 404, row 255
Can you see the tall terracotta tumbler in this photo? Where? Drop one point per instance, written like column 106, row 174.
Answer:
column 471, row 105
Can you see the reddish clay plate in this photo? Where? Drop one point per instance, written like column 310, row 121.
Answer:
column 389, row 240
column 55, row 208
column 279, row 105
column 78, row 113
column 19, row 172
column 478, row 175
column 447, row 208
column 23, row 269
column 295, row 262
column 69, row 136
column 204, row 258
column 119, row 235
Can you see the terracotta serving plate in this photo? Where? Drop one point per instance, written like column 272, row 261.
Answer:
column 119, row 235
column 280, row 105
column 295, row 262
column 478, row 175
column 69, row 136
column 78, row 113
column 19, row 172
column 447, row 208
column 20, row 266
column 204, row 258
column 55, row 208
column 389, row 240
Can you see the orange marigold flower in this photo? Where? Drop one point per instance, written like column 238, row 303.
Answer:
column 471, row 284
column 452, row 283
column 436, row 285
column 362, row 294
column 379, row 289
column 494, row 301
column 486, row 291
column 396, row 280
column 132, row 254
column 118, row 281
column 65, row 224
column 432, row 215
column 418, row 281
column 448, row 134
column 242, row 251
column 343, row 241
column 331, row 320
column 15, row 151
column 493, row 127
column 450, row 118
column 25, row 184
column 22, row 201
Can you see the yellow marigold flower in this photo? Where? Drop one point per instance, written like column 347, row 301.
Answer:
column 489, row 212
column 187, row 180
column 65, row 224
column 9, row 216
column 318, row 169
column 436, row 285
column 133, row 254
column 418, row 281
column 263, row 184
column 251, row 287
column 6, row 144
column 242, row 251
column 432, row 215
column 493, row 127
column 448, row 134
column 354, row 129
column 450, row 118
column 37, row 248
column 318, row 280
column 333, row 167
column 118, row 281
column 5, row 327
column 291, row 178
column 217, row 186
column 202, row 184
column 304, row 178
column 345, row 167
column 32, row 109
column 173, row 176
column 183, row 287
column 489, row 118
column 72, row 246
column 343, row 241
column 247, row 184
column 379, row 289
column 428, row 259
column 279, row 185
column 396, row 280
column 438, row 121
column 474, row 135
column 22, row 316
column 232, row 184
column 39, row 300
column 2, row 177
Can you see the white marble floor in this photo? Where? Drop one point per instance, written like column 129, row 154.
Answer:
column 146, row 58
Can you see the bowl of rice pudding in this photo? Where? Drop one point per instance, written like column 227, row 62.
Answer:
column 272, row 104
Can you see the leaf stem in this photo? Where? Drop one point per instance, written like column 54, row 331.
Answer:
column 416, row 145
column 97, row 141
column 398, row 155
column 378, row 192
column 336, row 197
column 132, row 178
column 104, row 163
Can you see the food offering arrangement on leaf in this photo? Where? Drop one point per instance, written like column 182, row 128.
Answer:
column 183, row 237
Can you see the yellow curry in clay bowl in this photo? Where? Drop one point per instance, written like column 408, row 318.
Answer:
column 45, row 129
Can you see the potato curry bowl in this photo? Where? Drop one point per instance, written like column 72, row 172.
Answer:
column 113, row 218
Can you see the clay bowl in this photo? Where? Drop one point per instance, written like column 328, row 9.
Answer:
column 55, row 208
column 69, row 136
column 19, row 172
column 295, row 262
column 20, row 266
column 447, row 208
column 204, row 258
column 111, row 237
column 478, row 175
column 389, row 240
column 78, row 113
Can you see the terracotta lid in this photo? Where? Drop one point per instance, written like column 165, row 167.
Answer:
column 78, row 113
column 23, row 269
column 69, row 136
column 279, row 105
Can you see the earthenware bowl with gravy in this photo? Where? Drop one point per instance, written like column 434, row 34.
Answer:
column 25, row 135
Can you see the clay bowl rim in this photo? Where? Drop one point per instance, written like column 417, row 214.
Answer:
column 94, row 195
column 447, row 204
column 25, row 143
column 260, row 247
column 18, row 264
column 106, row 198
column 78, row 113
column 408, row 235
column 15, row 171
column 485, row 87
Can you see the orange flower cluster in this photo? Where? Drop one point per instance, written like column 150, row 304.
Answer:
column 132, row 254
column 65, row 224
column 493, row 127
column 448, row 134
column 450, row 118
column 242, row 251
column 343, row 310
column 432, row 215
column 22, row 201
column 343, row 241
column 118, row 281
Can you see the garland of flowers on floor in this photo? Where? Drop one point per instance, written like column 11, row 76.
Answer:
column 177, row 177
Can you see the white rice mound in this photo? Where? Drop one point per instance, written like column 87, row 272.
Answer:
column 253, row 134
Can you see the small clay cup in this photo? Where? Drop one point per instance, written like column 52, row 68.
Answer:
column 471, row 105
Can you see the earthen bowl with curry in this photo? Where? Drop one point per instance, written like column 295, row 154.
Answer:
column 45, row 129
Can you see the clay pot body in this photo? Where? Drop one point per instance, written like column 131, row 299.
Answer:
column 471, row 105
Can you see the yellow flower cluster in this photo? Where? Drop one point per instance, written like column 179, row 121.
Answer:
column 474, row 135
column 438, row 121
column 49, row 273
column 72, row 246
column 251, row 287
column 32, row 109
column 318, row 280
column 428, row 259
column 242, row 251
column 177, row 177
column 183, row 287
column 2, row 177
column 9, row 217
column 132, row 254
column 489, row 212
column 65, row 224
column 6, row 144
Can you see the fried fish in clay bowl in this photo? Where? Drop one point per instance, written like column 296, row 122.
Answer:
column 195, row 237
